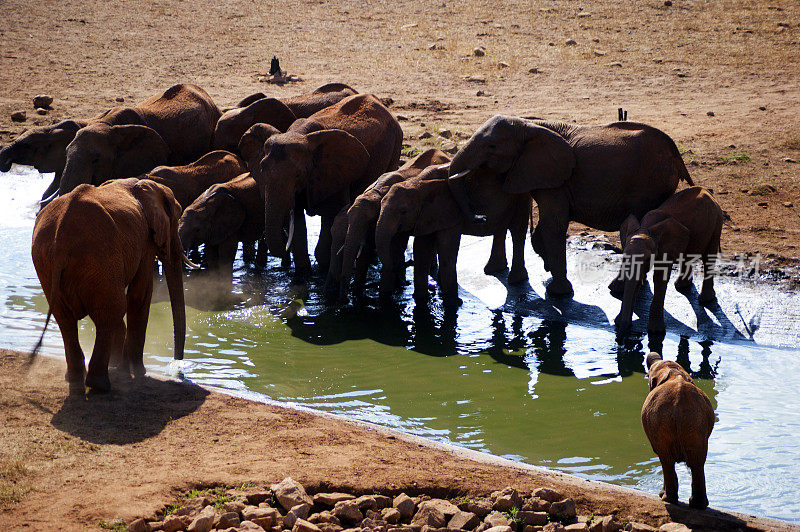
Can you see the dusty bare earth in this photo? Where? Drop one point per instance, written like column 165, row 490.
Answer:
column 71, row 463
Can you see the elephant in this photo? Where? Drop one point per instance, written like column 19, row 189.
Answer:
column 251, row 145
column 226, row 214
column 279, row 113
column 107, row 273
column 318, row 166
column 424, row 206
column 175, row 128
column 687, row 225
column 594, row 175
column 188, row 182
column 353, row 229
column 678, row 418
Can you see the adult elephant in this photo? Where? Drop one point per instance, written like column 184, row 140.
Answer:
column 189, row 181
column 107, row 273
column 175, row 128
column 280, row 113
column 425, row 208
column 319, row 165
column 594, row 175
column 353, row 230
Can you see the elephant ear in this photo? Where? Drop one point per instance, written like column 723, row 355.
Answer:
column 247, row 100
column 339, row 159
column 139, row 149
column 162, row 212
column 671, row 237
column 626, row 230
column 273, row 112
column 228, row 216
column 251, row 145
column 66, row 129
column 546, row 161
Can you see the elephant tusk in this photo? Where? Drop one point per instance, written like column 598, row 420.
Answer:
column 460, row 174
column 340, row 250
column 189, row 263
column 445, row 166
column 49, row 198
column 360, row 249
column 291, row 230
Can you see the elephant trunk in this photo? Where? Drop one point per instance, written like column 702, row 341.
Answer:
column 6, row 158
column 385, row 231
column 353, row 244
column 173, row 271
column 625, row 316
column 273, row 230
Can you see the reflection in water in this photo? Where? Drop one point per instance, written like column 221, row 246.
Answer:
column 540, row 380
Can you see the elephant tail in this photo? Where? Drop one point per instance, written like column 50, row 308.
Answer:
column 35, row 351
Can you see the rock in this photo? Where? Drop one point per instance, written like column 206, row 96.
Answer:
column 763, row 204
column 502, row 64
column 762, row 190
column 584, row 15
column 257, row 498
column 297, row 512
column 534, row 70
column 41, row 111
column 330, row 527
column 430, row 516
column 365, row 502
column 425, row 135
column 249, row 526
column 501, row 528
column 324, row 517
column 599, row 53
column 762, row 108
column 480, row 51
column 710, row 113
column 497, row 519
column 445, row 133
column 391, row 515
column 301, row 525
column 42, row 100
column 447, row 508
column 563, row 510
column 475, row 78
column 405, row 505
column 553, row 527
column 506, row 499
column 570, row 42
column 789, row 160
column 633, row 526
column 536, row 504
column 233, row 506
column 290, row 493
column 139, row 525
column 547, row 494
column 674, row 527
column 577, row 527
column 330, row 499
column 450, row 147
column 610, row 524
column 193, row 506
column 533, row 518
column 615, row 64
column 227, row 520
column 667, row 3
column 204, row 521
column 348, row 511
column 382, row 501
column 788, row 204
column 119, row 99
column 480, row 93
column 264, row 517
column 464, row 520
column 173, row 523
column 480, row 507
column 19, row 116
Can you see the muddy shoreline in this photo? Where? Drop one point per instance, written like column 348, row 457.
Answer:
column 128, row 454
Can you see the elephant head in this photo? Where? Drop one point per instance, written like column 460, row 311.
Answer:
column 163, row 212
column 529, row 156
column 211, row 219
column 318, row 165
column 100, row 152
column 44, row 148
column 251, row 145
column 233, row 124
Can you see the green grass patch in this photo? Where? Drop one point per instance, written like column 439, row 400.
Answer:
column 410, row 152
column 117, row 525
column 685, row 152
column 736, row 157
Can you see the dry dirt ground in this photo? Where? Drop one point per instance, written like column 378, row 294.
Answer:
column 721, row 77
column 70, row 463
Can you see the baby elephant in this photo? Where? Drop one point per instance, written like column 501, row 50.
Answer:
column 678, row 419
column 686, row 226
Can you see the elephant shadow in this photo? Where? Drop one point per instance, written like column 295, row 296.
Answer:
column 641, row 308
column 133, row 411
column 705, row 325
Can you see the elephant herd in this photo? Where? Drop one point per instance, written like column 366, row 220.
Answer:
column 174, row 173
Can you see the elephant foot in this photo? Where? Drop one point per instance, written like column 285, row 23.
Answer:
column 421, row 295
column 656, row 326
column 452, row 301
column 623, row 325
column 495, row 266
column 98, row 383
column 699, row 503
column 76, row 388
column 617, row 288
column 138, row 370
column 671, row 498
column 683, row 285
column 707, row 297
column 517, row 275
column 301, row 275
column 559, row 288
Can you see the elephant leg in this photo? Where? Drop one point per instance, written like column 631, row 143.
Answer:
column 140, row 292
column 423, row 257
column 76, row 365
column 399, row 247
column 212, row 256
column 699, row 498
column 107, row 346
column 447, row 244
column 552, row 228
column 497, row 259
column 669, row 492
column 519, row 226
column 262, row 255
column 661, row 274
column 227, row 254
column 707, row 293
column 363, row 260
column 684, row 280
column 248, row 252
column 299, row 247
column 323, row 250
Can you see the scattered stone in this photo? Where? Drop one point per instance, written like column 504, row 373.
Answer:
column 450, row 147
column 297, row 512
column 330, row 527
column 290, row 493
column 762, row 190
column 599, row 53
column 407, row 26
column 533, row 518
column 505, row 499
column 405, row 505
column 479, row 51
column 763, row 204
column 330, row 499
column 264, row 517
column 633, row 526
column 262, row 79
column 204, row 521
column 502, row 64
column 41, row 111
column 402, row 118
column 788, row 204
column 668, row 3
column 710, row 113
column 534, row 70
column 570, row 42
column 563, row 510
column 445, row 133
column 391, row 515
column 584, row 15
column 193, row 506
column 255, row 499
column 301, row 525
column 547, row 494
column 497, row 519
column 173, row 523
column 480, row 93
column 228, row 520
column 348, row 511
column 430, row 516
column 762, row 108
column 480, row 507
column 577, row 527
column 233, row 506
column 365, row 502
column 784, row 25
column 536, row 504
column 119, row 99
column 674, row 527
column 42, row 100
column 789, row 160
column 19, row 116
column 615, row 64
column 139, row 525
column 425, row 135
column 595, row 40
column 501, row 528
column 324, row 517
column 475, row 78
column 553, row 527
column 464, row 520
column 387, row 102
column 249, row 526
column 447, row 508
column 610, row 524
